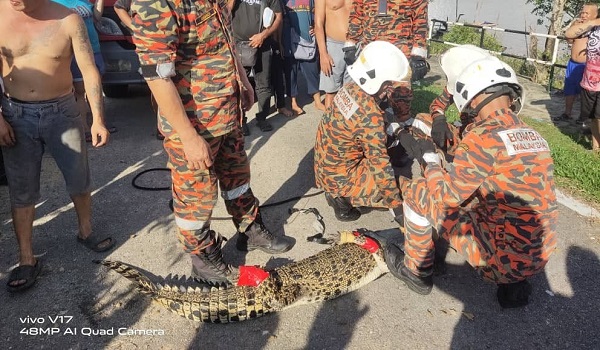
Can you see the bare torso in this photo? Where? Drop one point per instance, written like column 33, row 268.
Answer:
column 578, row 50
column 36, row 52
column 336, row 14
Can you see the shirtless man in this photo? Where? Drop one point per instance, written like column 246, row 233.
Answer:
column 331, row 25
column 576, row 64
column 38, row 39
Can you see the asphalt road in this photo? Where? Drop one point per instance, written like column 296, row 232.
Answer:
column 99, row 309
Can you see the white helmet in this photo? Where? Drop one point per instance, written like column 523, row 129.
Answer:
column 378, row 62
column 489, row 75
column 457, row 58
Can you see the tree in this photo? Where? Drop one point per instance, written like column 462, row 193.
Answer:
column 556, row 9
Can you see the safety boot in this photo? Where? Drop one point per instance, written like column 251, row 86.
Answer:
column 394, row 258
column 343, row 209
column 208, row 265
column 257, row 236
column 512, row 295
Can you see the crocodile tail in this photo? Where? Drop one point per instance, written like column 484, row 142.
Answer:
column 145, row 285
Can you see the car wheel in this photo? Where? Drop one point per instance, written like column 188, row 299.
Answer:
column 115, row 91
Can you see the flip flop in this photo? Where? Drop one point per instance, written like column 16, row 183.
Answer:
column 93, row 243
column 27, row 273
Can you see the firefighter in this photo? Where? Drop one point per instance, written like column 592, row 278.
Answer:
column 494, row 204
column 187, row 57
column 351, row 161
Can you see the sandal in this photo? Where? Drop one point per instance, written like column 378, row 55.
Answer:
column 94, row 243
column 27, row 273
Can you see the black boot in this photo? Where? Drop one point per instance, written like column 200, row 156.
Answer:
column 208, row 266
column 343, row 209
column 439, row 260
column 513, row 295
column 398, row 214
column 257, row 236
column 394, row 258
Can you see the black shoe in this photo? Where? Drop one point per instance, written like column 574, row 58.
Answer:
column 439, row 260
column 394, row 258
column 343, row 209
column 398, row 214
column 264, row 125
column 258, row 237
column 208, row 266
column 245, row 129
column 514, row 295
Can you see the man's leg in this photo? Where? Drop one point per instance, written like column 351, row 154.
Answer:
column 569, row 101
column 83, row 208
column 262, row 77
column 194, row 197
column 233, row 171
column 310, row 69
column 23, row 225
column 63, row 133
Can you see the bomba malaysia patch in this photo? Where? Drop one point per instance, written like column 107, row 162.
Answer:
column 345, row 103
column 523, row 141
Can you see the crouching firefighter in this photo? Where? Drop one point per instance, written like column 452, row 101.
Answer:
column 494, row 204
column 351, row 163
column 187, row 58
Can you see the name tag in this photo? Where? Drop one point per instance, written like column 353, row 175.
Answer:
column 205, row 17
column 345, row 103
column 523, row 141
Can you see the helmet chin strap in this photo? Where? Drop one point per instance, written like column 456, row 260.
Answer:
column 496, row 91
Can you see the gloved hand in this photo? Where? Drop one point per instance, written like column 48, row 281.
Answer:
column 419, row 67
column 392, row 129
column 350, row 54
column 416, row 148
column 440, row 132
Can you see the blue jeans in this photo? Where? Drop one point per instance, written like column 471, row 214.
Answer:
column 55, row 124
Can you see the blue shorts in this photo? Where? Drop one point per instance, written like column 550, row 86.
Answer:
column 76, row 73
column 339, row 74
column 573, row 77
column 56, row 125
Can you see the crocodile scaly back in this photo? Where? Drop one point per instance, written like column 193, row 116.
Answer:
column 326, row 275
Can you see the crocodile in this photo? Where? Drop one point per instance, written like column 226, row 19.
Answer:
column 342, row 268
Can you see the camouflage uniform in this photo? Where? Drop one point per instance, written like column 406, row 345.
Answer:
column 437, row 108
column 403, row 24
column 350, row 152
column 503, row 172
column 196, row 36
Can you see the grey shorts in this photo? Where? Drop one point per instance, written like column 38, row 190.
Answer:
column 339, row 76
column 56, row 125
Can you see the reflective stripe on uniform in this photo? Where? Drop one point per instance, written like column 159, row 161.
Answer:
column 235, row 193
column 413, row 217
column 189, row 225
column 421, row 125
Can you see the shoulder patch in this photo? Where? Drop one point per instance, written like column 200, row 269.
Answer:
column 345, row 103
column 519, row 141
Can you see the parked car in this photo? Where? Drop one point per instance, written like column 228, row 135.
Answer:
column 118, row 50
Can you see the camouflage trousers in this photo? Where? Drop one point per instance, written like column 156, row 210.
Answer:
column 362, row 189
column 195, row 192
column 465, row 231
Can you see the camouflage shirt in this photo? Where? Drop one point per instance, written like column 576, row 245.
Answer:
column 196, row 36
column 507, row 166
column 350, row 136
column 404, row 23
